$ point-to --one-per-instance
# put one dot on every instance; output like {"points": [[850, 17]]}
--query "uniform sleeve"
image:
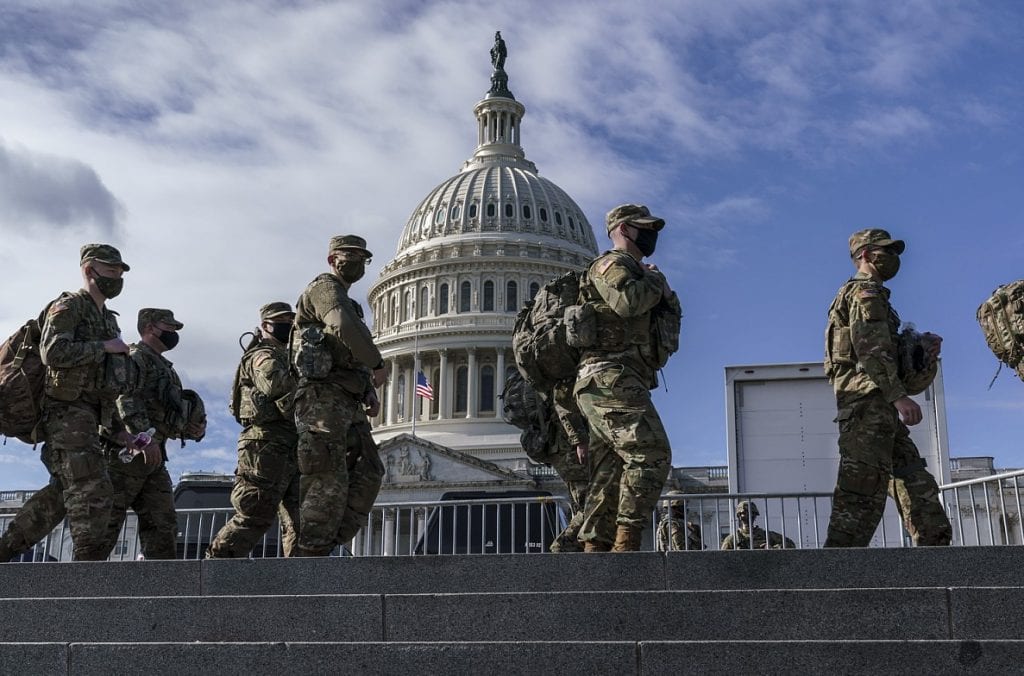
{"points": [[570, 417], [727, 543], [872, 340], [678, 535], [271, 376], [131, 407], [57, 345], [629, 291]]}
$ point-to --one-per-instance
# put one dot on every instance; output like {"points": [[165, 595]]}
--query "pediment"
{"points": [[412, 460]]}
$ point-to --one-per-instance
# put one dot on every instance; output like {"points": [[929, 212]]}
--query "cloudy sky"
{"points": [[220, 145]]}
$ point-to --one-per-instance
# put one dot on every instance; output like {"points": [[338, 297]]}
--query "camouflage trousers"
{"points": [[266, 483], [324, 412], [147, 491], [577, 479], [876, 455], [629, 452], [79, 487]]}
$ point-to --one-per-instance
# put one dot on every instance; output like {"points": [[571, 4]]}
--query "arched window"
{"points": [[406, 305], [534, 288], [464, 294], [400, 399], [442, 302], [455, 212], [393, 315], [509, 210], [511, 297], [572, 224], [461, 389], [472, 210], [488, 296], [490, 210], [435, 380], [544, 214], [487, 388], [421, 309], [526, 211]]}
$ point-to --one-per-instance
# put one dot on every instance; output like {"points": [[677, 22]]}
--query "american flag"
{"points": [[423, 387]]}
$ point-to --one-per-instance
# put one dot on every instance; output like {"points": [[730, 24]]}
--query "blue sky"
{"points": [[220, 145]]}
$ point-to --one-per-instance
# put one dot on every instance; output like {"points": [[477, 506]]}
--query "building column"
{"points": [[499, 380], [443, 410], [410, 388], [421, 525], [389, 532], [472, 405], [392, 393]]}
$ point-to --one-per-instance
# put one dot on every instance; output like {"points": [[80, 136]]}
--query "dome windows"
{"points": [[442, 301], [558, 218], [510, 211], [543, 214], [526, 212], [488, 296], [511, 296], [534, 288], [439, 216], [491, 210], [472, 210], [465, 292], [487, 389], [456, 210]]}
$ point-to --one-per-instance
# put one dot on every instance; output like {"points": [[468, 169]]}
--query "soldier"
{"points": [[81, 347], [674, 531], [333, 353], [157, 403], [875, 449], [628, 302], [267, 477], [746, 515]]}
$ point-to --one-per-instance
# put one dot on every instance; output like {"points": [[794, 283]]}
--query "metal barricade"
{"points": [[987, 510]]}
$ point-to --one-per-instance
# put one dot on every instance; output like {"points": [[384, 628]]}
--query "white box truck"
{"points": [[783, 439]]}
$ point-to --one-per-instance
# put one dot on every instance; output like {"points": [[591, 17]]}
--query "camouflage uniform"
{"points": [[675, 532], [875, 449], [146, 489], [741, 539], [81, 386], [566, 429], [332, 350], [629, 449], [267, 475]]}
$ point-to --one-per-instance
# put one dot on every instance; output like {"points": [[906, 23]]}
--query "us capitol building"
{"points": [[473, 251]]}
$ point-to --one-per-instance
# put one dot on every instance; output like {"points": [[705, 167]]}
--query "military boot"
{"points": [[592, 546], [627, 539]]}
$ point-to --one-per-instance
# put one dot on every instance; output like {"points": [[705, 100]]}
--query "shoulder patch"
{"points": [[868, 292], [603, 267], [58, 306]]}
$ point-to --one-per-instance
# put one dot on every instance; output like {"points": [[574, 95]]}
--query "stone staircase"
{"points": [[926, 611]]}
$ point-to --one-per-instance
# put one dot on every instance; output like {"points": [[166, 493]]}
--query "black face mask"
{"points": [[646, 240], [281, 331], [350, 271], [110, 287], [169, 339]]}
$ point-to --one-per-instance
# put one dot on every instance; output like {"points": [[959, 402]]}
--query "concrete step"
{"points": [[753, 615], [594, 658], [641, 571]]}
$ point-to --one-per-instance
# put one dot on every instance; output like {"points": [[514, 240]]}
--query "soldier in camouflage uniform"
{"points": [[674, 531], [875, 449], [629, 448], [746, 515], [143, 484], [333, 354], [267, 477], [80, 346]]}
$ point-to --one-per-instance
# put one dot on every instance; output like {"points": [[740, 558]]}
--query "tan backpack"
{"points": [[22, 379], [1001, 318]]}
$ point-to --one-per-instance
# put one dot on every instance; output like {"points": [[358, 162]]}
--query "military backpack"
{"points": [[539, 342], [522, 407], [1001, 318], [22, 379]]}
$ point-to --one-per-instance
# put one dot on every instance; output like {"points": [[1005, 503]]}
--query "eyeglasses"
{"points": [[352, 255]]}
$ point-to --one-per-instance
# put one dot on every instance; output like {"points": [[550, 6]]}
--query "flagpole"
{"points": [[416, 376]]}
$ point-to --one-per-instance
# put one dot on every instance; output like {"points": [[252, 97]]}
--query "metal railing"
{"points": [[984, 511], [987, 510]]}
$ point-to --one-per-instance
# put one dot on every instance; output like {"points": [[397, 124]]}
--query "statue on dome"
{"points": [[498, 52]]}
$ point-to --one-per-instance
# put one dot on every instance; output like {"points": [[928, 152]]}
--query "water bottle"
{"points": [[138, 443]]}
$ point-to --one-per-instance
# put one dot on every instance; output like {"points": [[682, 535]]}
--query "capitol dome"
{"points": [[473, 251]]}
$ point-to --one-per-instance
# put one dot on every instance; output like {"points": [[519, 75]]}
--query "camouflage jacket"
{"points": [[347, 347], [623, 294], [861, 348], [71, 347], [268, 393], [741, 540], [676, 534], [156, 401], [571, 419]]}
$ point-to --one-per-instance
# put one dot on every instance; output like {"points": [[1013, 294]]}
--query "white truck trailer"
{"points": [[783, 439]]}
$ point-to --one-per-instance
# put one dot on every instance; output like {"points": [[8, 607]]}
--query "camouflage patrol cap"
{"points": [[635, 214], [153, 315], [874, 237], [275, 310], [749, 506], [104, 253], [341, 242]]}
